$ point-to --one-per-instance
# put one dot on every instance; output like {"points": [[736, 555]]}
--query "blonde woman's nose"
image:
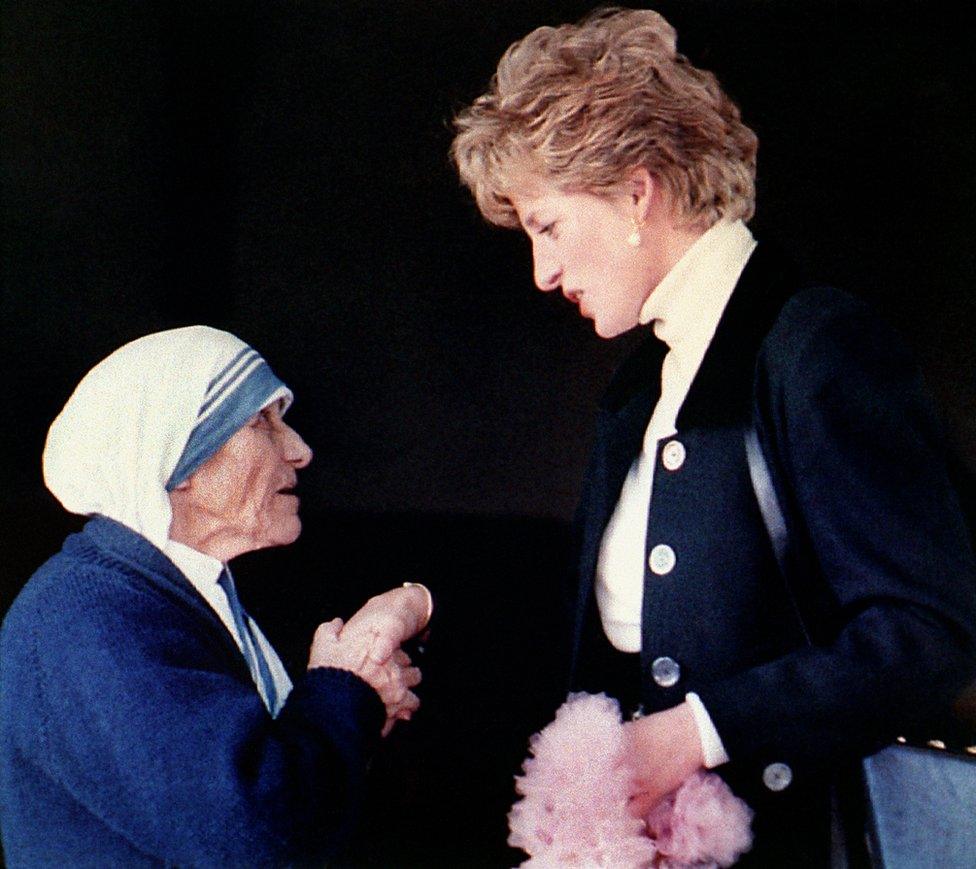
{"points": [[547, 275]]}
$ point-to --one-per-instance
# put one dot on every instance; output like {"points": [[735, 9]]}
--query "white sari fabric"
{"points": [[145, 418]]}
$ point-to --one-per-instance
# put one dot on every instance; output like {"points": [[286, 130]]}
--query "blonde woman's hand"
{"points": [[391, 678], [388, 620], [664, 749]]}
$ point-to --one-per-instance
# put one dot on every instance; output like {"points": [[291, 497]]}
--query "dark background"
{"points": [[279, 170]]}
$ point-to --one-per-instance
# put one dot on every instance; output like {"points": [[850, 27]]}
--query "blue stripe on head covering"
{"points": [[227, 380], [241, 390], [245, 351]]}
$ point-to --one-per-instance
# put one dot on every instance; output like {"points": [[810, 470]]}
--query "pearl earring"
{"points": [[634, 239]]}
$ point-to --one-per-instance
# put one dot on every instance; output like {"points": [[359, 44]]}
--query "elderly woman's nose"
{"points": [[297, 452]]}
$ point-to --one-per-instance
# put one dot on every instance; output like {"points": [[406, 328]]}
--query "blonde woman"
{"points": [[633, 175]]}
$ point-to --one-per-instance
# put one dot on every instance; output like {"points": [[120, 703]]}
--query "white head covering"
{"points": [[145, 418]]}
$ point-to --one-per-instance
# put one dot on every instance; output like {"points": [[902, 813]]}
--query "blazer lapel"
{"points": [[626, 411], [721, 393]]}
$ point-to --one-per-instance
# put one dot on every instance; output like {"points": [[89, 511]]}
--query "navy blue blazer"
{"points": [[131, 733], [888, 581]]}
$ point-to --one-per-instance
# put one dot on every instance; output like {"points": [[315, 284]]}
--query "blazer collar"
{"points": [[721, 392]]}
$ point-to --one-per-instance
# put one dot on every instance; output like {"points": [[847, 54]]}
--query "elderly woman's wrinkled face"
{"points": [[580, 244], [243, 495]]}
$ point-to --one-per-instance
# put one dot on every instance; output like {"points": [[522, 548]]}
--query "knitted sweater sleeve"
{"points": [[139, 710]]}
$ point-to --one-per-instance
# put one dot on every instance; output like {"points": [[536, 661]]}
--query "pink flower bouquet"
{"points": [[574, 793]]}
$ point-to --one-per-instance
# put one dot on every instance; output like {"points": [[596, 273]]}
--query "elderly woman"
{"points": [[632, 173], [145, 719]]}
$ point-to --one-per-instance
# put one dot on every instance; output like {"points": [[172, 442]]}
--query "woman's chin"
{"points": [[284, 532], [609, 329]]}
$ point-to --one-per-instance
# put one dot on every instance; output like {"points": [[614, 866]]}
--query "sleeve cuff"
{"points": [[712, 749]]}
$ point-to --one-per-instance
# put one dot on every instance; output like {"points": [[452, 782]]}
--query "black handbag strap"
{"points": [[762, 484], [773, 517], [775, 522]]}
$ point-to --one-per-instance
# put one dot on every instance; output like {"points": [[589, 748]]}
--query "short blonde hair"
{"points": [[582, 104]]}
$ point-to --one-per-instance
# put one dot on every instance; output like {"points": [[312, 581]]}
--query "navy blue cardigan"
{"points": [[131, 733]]}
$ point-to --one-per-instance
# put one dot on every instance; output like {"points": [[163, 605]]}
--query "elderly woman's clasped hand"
{"points": [[369, 646]]}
